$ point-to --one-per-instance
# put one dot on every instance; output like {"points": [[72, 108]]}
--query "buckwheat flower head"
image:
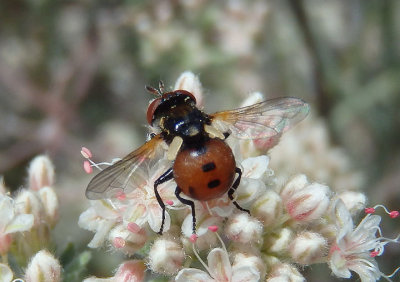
{"points": [[354, 248], [43, 268], [11, 222]]}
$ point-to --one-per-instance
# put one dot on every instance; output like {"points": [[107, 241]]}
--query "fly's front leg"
{"points": [[235, 185], [168, 175], [189, 203]]}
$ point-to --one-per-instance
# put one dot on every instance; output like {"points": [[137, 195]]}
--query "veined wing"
{"points": [[132, 169], [262, 120]]}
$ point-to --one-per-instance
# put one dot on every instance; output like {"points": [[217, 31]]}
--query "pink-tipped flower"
{"points": [[354, 248], [41, 173], [166, 256], [44, 268], [127, 241], [303, 201]]}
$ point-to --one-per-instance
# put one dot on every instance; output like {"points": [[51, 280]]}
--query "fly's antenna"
{"points": [[158, 92]]}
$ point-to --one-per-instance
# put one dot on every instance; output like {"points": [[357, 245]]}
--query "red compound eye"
{"points": [[151, 109]]}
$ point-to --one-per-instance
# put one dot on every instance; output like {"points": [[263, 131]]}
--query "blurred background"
{"points": [[72, 74]]}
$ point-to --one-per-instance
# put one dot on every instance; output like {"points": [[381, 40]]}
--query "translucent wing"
{"points": [[262, 120], [130, 171]]}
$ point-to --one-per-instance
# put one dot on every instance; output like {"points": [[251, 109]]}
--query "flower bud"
{"points": [[43, 268], [166, 256], [41, 173], [243, 228], [303, 201], [50, 204], [249, 260], [28, 202], [307, 247], [268, 208], [354, 201], [190, 82], [133, 270], [279, 241], [126, 241], [285, 272]]}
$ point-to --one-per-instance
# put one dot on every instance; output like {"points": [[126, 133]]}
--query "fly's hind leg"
{"points": [[168, 175], [189, 203], [235, 185]]}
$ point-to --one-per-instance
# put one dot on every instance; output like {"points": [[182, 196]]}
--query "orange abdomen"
{"points": [[207, 172]]}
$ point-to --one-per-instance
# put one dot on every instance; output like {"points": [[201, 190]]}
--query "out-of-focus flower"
{"points": [[6, 275], [10, 222], [354, 248], [220, 269], [307, 149], [43, 268], [40, 173]]}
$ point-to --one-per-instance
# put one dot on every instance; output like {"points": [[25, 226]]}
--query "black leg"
{"points": [[235, 185], [168, 175], [189, 203]]}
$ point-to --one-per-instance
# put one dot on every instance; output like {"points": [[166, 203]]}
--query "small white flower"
{"points": [[220, 270], [353, 246]]}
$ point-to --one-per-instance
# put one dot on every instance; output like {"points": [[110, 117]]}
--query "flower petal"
{"points": [[154, 217], [22, 222], [255, 167], [219, 264], [6, 211], [192, 275]]}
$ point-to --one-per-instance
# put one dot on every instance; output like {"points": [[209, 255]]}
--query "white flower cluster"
{"points": [[25, 225], [298, 224]]}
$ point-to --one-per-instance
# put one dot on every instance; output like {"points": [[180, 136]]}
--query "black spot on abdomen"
{"points": [[213, 183], [208, 167]]}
